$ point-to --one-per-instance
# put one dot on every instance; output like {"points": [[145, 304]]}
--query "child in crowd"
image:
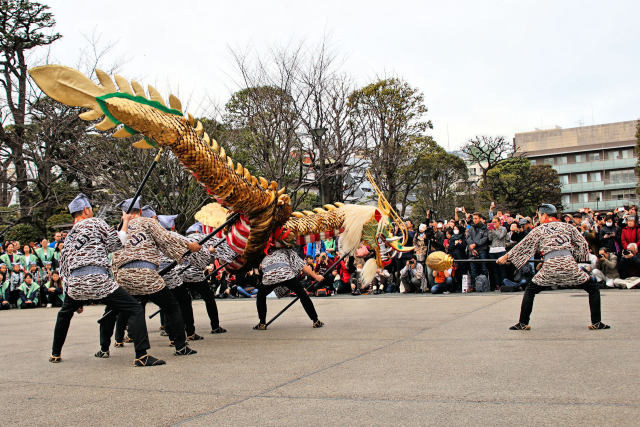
{"points": [[55, 290], [15, 280], [29, 293]]}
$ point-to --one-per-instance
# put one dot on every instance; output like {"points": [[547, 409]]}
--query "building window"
{"points": [[592, 157], [533, 162], [626, 194], [548, 161], [565, 199], [627, 154], [472, 171], [595, 177], [564, 179], [583, 197], [580, 158], [581, 178], [614, 155], [562, 160], [595, 197], [622, 177]]}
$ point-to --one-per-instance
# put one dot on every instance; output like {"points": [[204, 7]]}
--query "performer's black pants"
{"points": [[295, 286], [167, 303], [533, 289], [119, 300], [184, 299], [121, 326]]}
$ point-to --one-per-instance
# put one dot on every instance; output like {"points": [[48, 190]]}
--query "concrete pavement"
{"points": [[383, 360]]}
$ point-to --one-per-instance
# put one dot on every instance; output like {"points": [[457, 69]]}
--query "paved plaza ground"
{"points": [[380, 360]]}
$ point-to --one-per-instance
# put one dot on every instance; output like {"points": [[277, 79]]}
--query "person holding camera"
{"points": [[606, 270], [607, 234], [629, 268], [412, 277], [478, 246]]}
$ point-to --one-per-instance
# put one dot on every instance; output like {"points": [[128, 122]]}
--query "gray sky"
{"points": [[485, 67]]}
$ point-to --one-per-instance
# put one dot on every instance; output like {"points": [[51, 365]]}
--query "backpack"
{"points": [[482, 283]]}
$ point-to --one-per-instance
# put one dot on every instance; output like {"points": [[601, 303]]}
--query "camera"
{"points": [[626, 252]]}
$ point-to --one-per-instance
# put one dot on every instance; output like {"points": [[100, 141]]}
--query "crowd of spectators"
{"points": [[29, 276], [613, 239]]}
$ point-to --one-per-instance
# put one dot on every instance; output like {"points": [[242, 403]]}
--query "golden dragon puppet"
{"points": [[129, 110]]}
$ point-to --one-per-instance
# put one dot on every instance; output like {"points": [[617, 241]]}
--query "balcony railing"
{"points": [[599, 165], [607, 184]]}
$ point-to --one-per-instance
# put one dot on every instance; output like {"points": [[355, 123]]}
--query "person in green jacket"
{"points": [[40, 277], [55, 290], [4, 295], [45, 253], [10, 256], [29, 293], [28, 257]]}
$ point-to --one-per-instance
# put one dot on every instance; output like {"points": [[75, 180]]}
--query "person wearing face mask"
{"points": [[420, 243], [563, 247], [457, 249], [497, 248], [608, 234]]}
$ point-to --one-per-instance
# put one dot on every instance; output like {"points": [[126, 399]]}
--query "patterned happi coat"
{"points": [[197, 261], [88, 244], [147, 241], [559, 271]]}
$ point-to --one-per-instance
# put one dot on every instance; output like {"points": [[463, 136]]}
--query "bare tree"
{"points": [[390, 113], [286, 99], [488, 152], [24, 25]]}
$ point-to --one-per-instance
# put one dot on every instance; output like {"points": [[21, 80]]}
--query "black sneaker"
{"points": [[218, 330], [55, 359], [260, 327], [520, 327], [164, 333], [599, 325], [194, 337], [318, 324], [102, 354], [148, 360], [185, 351], [118, 345]]}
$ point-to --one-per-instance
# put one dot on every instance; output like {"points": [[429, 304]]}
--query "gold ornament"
{"points": [[439, 261]]}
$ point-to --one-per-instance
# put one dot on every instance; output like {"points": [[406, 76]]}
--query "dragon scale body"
{"points": [[263, 205]]}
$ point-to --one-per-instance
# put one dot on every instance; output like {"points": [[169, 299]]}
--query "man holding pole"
{"points": [[135, 269], [193, 279], [281, 267], [562, 246], [84, 265]]}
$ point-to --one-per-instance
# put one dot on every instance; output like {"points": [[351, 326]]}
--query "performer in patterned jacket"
{"points": [[84, 265], [193, 279], [281, 267], [121, 322], [563, 247], [135, 269]]}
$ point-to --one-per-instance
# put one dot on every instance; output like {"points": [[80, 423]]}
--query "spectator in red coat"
{"points": [[345, 276], [630, 234]]}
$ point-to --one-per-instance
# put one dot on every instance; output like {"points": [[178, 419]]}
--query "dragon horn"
{"points": [[68, 86]]}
